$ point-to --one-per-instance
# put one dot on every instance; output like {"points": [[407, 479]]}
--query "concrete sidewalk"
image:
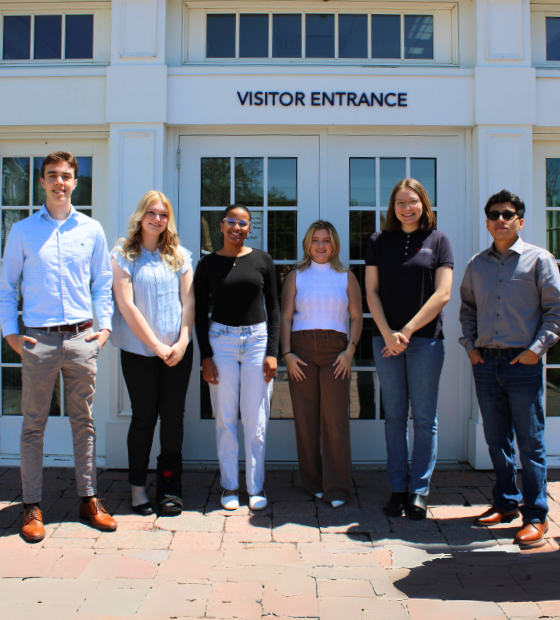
{"points": [[300, 558]]}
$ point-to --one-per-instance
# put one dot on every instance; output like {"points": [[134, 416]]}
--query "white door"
{"points": [[546, 233], [277, 177], [21, 196], [362, 173]]}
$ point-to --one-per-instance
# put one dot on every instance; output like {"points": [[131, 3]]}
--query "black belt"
{"points": [[503, 353], [76, 327]]}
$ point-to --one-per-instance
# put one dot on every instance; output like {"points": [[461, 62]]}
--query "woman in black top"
{"points": [[409, 271], [238, 351]]}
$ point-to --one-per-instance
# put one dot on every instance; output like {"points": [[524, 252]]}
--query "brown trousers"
{"points": [[321, 404]]}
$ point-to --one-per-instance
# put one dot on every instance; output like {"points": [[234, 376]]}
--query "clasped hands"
{"points": [[171, 355], [396, 342]]}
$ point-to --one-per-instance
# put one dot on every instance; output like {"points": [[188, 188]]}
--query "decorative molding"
{"points": [[504, 29], [138, 25]]}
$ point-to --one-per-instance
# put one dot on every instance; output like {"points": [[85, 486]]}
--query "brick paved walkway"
{"points": [[298, 559]]}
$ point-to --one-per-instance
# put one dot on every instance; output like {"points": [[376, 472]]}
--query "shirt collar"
{"points": [[43, 212], [517, 247]]}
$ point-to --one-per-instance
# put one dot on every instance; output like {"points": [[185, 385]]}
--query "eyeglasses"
{"points": [[507, 214], [152, 215], [231, 222]]}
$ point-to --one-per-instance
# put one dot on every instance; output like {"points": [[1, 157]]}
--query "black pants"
{"points": [[154, 389]]}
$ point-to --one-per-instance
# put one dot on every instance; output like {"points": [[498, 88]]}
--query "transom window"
{"points": [[397, 36], [23, 195], [47, 37], [371, 181]]}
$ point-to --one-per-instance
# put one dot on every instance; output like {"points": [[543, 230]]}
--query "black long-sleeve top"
{"points": [[237, 295]]}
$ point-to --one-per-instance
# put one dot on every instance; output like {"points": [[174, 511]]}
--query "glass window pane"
{"points": [[39, 195], [11, 391], [15, 181], [286, 35], [215, 183], [360, 272], [553, 232], [362, 227], [17, 37], [553, 182], [364, 350], [352, 36], [81, 196], [79, 36], [255, 236], [382, 219], [552, 38], [319, 36], [418, 36], [424, 170], [282, 235], [552, 392], [9, 356], [393, 169], [253, 36], [282, 181], [362, 182], [48, 37], [211, 238], [281, 403], [220, 36], [362, 395], [9, 218], [553, 355], [385, 36], [249, 174]]}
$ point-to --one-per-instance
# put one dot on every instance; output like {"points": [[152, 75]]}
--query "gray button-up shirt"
{"points": [[511, 300]]}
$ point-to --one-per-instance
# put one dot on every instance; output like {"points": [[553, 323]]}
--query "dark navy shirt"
{"points": [[407, 264]]}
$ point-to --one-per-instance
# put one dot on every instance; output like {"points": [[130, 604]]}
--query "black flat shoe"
{"points": [[417, 507], [144, 509], [397, 504]]}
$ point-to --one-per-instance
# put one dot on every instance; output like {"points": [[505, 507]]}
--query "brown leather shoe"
{"points": [[531, 535], [493, 516], [33, 530], [93, 511]]}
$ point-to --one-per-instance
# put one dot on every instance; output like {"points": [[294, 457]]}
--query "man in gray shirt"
{"points": [[510, 314]]}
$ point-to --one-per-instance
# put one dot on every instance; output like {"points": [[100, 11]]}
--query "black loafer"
{"points": [[397, 504], [417, 507], [143, 509]]}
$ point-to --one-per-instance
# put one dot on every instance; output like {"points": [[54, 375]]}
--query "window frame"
{"points": [[445, 37], [63, 12]]}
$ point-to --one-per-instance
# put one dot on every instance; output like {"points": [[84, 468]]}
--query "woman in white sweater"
{"points": [[317, 299]]}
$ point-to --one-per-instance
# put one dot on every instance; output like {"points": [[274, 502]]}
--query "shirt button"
{"points": [[497, 314], [499, 280], [499, 297], [496, 332]]}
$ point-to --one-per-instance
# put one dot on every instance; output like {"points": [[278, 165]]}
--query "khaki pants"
{"points": [[77, 358], [321, 417]]}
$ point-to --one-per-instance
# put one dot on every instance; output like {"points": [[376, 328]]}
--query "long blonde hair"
{"points": [[335, 244], [168, 244]]}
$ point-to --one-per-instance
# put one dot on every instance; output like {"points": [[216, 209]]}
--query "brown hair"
{"points": [[56, 157], [428, 217], [335, 244], [168, 244]]}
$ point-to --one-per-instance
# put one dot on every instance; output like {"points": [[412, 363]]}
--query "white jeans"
{"points": [[239, 354]]}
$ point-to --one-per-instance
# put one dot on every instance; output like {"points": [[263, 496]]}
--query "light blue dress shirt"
{"points": [[157, 295], [63, 267]]}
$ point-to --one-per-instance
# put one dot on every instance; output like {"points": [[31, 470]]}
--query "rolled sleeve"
{"points": [[12, 269], [102, 281]]}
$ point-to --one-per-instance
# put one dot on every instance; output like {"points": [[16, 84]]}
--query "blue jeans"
{"points": [[411, 376], [510, 401]]}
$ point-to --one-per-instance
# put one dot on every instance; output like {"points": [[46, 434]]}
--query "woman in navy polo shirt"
{"points": [[409, 271]]}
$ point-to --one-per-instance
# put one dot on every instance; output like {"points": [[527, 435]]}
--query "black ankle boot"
{"points": [[397, 504], [169, 497], [417, 507]]}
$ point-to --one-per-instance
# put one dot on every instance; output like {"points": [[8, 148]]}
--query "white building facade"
{"points": [[301, 110]]}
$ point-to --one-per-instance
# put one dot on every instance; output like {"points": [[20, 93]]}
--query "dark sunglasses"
{"points": [[508, 215]]}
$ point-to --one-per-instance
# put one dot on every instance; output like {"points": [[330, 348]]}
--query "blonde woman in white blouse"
{"points": [[318, 297]]}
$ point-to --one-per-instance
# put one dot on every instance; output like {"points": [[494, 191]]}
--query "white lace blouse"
{"points": [[321, 299]]}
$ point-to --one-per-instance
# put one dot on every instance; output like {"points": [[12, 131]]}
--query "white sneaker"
{"points": [[258, 501], [319, 495], [336, 503], [229, 502]]}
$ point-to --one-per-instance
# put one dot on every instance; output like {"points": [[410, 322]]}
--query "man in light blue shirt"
{"points": [[61, 257]]}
